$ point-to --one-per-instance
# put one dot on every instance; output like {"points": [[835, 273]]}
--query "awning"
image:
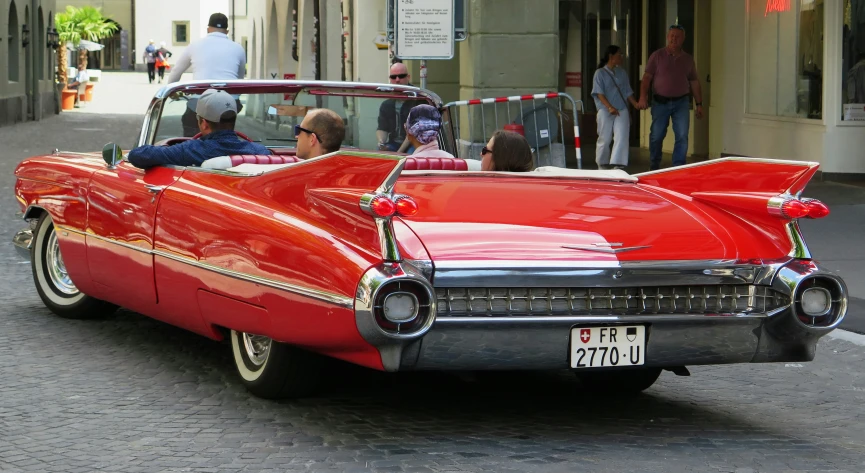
{"points": [[84, 44]]}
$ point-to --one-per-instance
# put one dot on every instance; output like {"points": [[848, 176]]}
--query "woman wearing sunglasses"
{"points": [[507, 151], [422, 129]]}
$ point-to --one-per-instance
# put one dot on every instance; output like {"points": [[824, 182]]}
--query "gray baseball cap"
{"points": [[214, 105]]}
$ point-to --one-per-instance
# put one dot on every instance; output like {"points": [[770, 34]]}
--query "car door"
{"points": [[122, 205]]}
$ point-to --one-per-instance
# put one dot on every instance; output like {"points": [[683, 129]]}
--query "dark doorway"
{"points": [[607, 22]]}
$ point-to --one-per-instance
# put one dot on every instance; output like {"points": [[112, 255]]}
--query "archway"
{"points": [[40, 45], [14, 45], [289, 41], [251, 63], [272, 45], [261, 49]]}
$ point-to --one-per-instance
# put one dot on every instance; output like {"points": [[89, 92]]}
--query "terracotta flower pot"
{"points": [[88, 92], [67, 101]]}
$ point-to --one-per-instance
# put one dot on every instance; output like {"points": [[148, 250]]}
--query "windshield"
{"points": [[269, 118]]}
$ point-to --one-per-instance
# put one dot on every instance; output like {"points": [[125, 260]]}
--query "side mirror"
{"points": [[112, 154]]}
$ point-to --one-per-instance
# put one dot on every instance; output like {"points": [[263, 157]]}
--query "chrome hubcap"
{"points": [[257, 348], [57, 269]]}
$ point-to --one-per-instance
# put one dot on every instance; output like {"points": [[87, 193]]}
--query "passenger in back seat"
{"points": [[422, 129], [322, 131]]}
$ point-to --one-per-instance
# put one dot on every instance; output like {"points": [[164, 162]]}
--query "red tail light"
{"points": [[382, 206], [786, 206], [406, 206], [816, 209], [793, 208]]}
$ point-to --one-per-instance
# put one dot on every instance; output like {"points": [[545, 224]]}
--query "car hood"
{"points": [[559, 220]]}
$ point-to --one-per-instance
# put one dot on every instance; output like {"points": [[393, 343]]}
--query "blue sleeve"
{"points": [[598, 84], [626, 90], [148, 156]]}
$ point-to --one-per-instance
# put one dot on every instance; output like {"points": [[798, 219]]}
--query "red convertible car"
{"points": [[400, 263]]}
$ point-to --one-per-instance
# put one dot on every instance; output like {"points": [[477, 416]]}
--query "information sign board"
{"points": [[425, 29]]}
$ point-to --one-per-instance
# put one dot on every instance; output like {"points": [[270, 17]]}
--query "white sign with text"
{"points": [[425, 29]]}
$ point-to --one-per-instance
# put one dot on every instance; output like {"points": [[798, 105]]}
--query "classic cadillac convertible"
{"points": [[400, 263]]}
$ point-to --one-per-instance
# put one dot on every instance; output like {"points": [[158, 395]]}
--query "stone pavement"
{"points": [[130, 394]]}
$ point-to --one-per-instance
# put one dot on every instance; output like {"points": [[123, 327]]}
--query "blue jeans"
{"points": [[392, 146], [679, 111]]}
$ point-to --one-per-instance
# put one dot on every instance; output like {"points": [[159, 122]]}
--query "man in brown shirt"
{"points": [[673, 76]]}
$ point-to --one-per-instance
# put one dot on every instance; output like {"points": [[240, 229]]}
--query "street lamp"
{"points": [[52, 38], [25, 35]]}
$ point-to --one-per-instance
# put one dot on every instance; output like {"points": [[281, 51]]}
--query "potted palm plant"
{"points": [[73, 26]]}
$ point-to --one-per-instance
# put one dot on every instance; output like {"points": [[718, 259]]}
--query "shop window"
{"points": [[785, 58], [853, 61], [180, 31]]}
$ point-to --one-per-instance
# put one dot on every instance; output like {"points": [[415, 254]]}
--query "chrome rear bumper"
{"points": [[23, 241], [464, 337]]}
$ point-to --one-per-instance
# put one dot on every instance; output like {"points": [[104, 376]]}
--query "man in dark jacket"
{"points": [[217, 113]]}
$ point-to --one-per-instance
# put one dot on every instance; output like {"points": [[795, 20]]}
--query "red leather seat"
{"points": [[284, 151], [436, 164], [238, 159]]}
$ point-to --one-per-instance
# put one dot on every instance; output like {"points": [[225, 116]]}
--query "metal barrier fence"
{"points": [[542, 122]]}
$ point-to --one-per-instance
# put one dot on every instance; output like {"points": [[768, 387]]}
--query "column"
{"points": [[512, 49]]}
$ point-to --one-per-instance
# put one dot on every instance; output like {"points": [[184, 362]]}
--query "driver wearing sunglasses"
{"points": [[322, 131]]}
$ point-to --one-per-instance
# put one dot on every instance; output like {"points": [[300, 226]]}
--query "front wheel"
{"points": [[274, 370], [630, 381], [53, 283]]}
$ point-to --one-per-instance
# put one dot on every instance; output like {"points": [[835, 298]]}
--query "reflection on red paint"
{"points": [[776, 6]]}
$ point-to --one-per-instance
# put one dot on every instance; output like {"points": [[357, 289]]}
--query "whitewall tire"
{"points": [[274, 370], [55, 287]]}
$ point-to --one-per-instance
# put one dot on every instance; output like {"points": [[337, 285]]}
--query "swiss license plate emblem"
{"points": [[602, 347]]}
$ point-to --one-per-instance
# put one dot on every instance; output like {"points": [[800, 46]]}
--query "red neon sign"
{"points": [[776, 6]]}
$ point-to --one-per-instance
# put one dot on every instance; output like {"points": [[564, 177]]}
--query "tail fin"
{"points": [[734, 175]]}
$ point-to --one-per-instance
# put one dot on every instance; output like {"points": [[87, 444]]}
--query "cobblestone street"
{"points": [[130, 394]]}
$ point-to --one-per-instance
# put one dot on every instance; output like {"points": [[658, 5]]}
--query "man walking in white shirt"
{"points": [[214, 57]]}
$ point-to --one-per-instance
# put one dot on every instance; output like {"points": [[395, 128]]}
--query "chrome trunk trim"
{"points": [[487, 273]]}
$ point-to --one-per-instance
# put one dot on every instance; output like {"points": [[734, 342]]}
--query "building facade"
{"points": [[27, 61]]}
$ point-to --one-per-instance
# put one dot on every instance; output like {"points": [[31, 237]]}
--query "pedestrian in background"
{"points": [[392, 114], [215, 56], [673, 78], [150, 61], [162, 55], [612, 93]]}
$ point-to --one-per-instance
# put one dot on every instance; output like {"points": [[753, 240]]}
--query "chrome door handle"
{"points": [[153, 188]]}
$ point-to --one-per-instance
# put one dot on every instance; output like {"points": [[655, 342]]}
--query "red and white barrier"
{"points": [[520, 98]]}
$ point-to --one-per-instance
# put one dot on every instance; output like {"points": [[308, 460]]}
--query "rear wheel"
{"points": [[53, 283], [619, 382], [274, 370]]}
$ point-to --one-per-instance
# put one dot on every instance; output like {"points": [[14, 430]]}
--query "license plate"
{"points": [[600, 347]]}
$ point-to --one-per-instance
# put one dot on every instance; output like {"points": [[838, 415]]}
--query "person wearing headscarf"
{"points": [[422, 129]]}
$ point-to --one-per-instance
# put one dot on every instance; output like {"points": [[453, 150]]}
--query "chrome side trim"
{"points": [[807, 164], [324, 296], [128, 246], [23, 241], [799, 249], [386, 187], [387, 240]]}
